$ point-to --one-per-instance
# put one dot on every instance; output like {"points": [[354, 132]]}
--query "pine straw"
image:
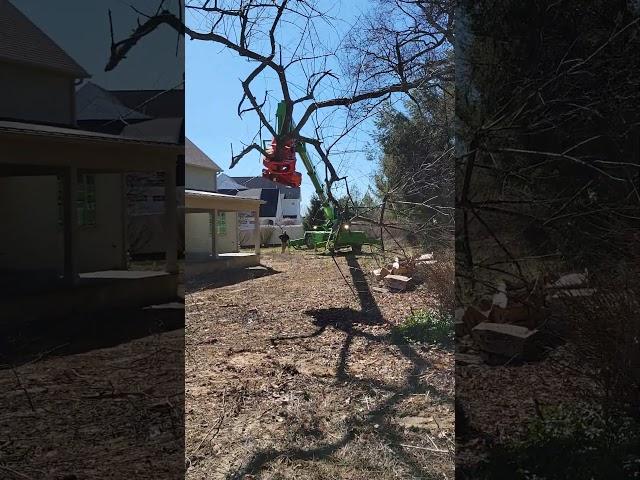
{"points": [[287, 378]]}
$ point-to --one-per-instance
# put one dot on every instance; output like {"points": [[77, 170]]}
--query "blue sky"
{"points": [[213, 76], [81, 28]]}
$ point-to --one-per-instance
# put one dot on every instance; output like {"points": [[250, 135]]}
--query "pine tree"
{"points": [[315, 214]]}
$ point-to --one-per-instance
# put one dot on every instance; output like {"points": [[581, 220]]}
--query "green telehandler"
{"points": [[336, 232]]}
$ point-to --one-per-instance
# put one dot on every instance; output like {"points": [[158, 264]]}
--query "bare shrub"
{"points": [[266, 232], [245, 237], [605, 331], [440, 278]]}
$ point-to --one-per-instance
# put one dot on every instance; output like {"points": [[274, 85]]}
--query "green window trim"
{"points": [[221, 224], [85, 201]]}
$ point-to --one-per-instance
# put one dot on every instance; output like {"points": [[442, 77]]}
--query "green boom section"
{"points": [[334, 235]]}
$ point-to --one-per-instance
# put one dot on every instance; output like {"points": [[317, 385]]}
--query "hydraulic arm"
{"points": [[280, 166]]}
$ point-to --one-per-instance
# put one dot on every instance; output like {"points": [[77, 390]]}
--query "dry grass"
{"points": [[292, 375]]}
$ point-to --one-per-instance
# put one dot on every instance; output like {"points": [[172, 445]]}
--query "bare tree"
{"points": [[546, 168], [343, 66]]}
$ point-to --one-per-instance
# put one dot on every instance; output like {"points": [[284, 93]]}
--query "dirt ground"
{"points": [[513, 391], [291, 374], [95, 397]]}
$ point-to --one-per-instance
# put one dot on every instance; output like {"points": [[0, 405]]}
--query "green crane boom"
{"points": [[335, 234], [301, 148]]}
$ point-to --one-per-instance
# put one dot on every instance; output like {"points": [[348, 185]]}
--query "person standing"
{"points": [[284, 239]]}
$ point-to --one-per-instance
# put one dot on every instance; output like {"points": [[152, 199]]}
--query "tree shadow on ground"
{"points": [[218, 279], [26, 342], [349, 321]]}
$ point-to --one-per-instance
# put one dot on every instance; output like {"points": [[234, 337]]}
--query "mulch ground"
{"points": [[501, 401], [291, 373], [86, 401]]}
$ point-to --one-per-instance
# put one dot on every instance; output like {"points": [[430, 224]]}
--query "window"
{"points": [[221, 224], [85, 201]]}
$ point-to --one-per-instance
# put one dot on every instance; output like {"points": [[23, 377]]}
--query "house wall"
{"points": [[286, 206], [146, 214], [198, 178], [229, 242], [33, 94], [274, 232], [197, 234], [290, 207], [100, 246], [33, 238]]}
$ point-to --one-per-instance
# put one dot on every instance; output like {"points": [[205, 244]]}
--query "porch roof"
{"points": [[198, 199], [59, 147]]}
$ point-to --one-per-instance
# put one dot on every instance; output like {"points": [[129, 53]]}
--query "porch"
{"points": [[93, 291], [204, 247], [64, 257]]}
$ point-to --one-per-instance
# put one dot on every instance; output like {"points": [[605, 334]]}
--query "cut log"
{"points": [[473, 316], [401, 270], [380, 273], [468, 359], [426, 262], [397, 282], [516, 315], [503, 339], [500, 300], [571, 280], [460, 327], [425, 257]]}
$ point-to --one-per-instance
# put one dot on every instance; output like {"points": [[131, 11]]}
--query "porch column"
{"points": [[125, 223], [214, 233], [256, 231], [70, 221], [171, 219]]}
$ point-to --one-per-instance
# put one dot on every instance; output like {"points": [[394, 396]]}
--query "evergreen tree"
{"points": [[315, 214]]}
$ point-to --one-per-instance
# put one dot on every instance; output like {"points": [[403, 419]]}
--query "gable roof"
{"points": [[225, 182], [155, 103], [265, 183], [74, 134], [21, 41], [95, 103], [197, 158], [170, 130]]}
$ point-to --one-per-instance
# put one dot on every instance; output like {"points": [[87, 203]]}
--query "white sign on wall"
{"points": [[145, 194]]}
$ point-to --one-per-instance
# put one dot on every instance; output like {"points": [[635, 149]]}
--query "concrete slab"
{"points": [[122, 274], [97, 291], [224, 262]]}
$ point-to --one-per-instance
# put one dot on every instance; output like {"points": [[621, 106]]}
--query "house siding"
{"points": [[36, 95], [198, 178], [40, 243], [197, 234], [229, 242]]}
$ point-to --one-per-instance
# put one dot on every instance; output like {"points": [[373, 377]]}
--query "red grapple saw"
{"points": [[281, 166]]}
